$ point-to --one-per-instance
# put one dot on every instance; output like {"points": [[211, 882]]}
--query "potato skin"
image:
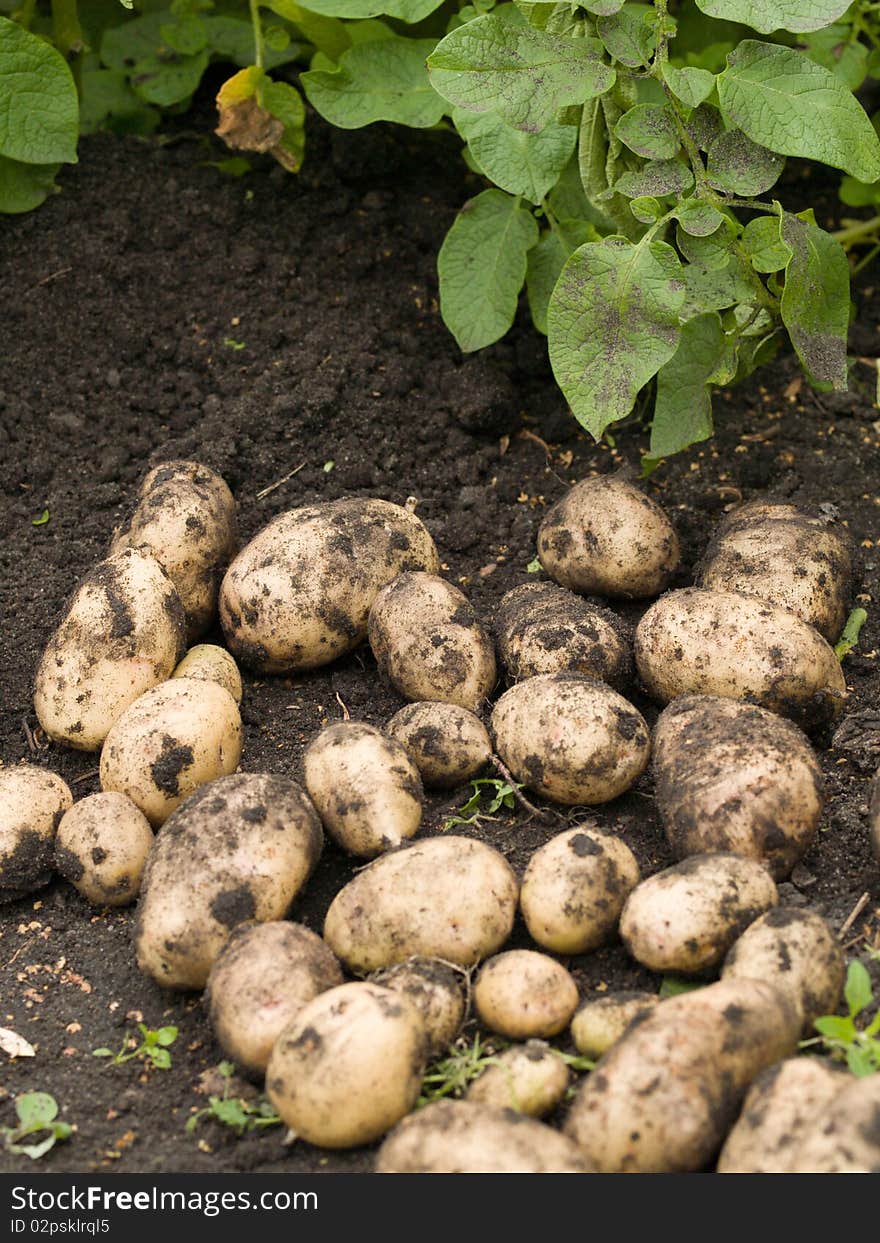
{"points": [[446, 897], [599, 1022], [847, 1141], [434, 989], [102, 848], [448, 745], [733, 777], [298, 595], [570, 738], [32, 804], [529, 1078], [122, 633], [211, 664], [522, 994]]}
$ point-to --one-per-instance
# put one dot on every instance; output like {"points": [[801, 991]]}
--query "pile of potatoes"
{"points": [[416, 947]]}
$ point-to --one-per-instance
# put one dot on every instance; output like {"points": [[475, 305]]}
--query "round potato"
{"points": [[122, 634], [570, 738], [434, 989], [599, 1022], [299, 594], [102, 848], [447, 744], [529, 1078], [521, 994], [847, 1139], [211, 664], [32, 804]]}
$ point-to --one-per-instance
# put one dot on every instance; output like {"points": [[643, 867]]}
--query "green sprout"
{"points": [[154, 1048], [42, 520], [464, 1061], [534, 567], [842, 1036], [238, 1114], [37, 1113], [501, 794], [851, 631], [231, 344]]}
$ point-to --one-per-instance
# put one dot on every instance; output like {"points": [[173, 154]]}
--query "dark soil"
{"points": [[158, 309]]}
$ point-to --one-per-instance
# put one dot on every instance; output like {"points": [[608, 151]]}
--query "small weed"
{"points": [[673, 985], [42, 520], [500, 794], [238, 1114], [231, 344], [851, 631], [37, 1113], [463, 1062], [841, 1036], [328, 466], [534, 567], [154, 1048]]}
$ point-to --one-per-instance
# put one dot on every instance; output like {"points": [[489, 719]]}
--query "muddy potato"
{"points": [[574, 888], [298, 595], [446, 897], [570, 738], [434, 989], [447, 744], [211, 664], [529, 1078], [102, 847], [847, 1137], [599, 1022], [173, 739], [697, 642], [521, 994], [121, 634], [32, 803], [349, 1066], [686, 918], [262, 978], [238, 849], [605, 537]]}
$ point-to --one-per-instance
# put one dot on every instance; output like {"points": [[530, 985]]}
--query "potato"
{"points": [[102, 847], [365, 787], [847, 1139], [463, 1137], [779, 553], [298, 595], [238, 849], [166, 744], [446, 897], [262, 978], [447, 744], [185, 518], [529, 1078], [349, 1066], [429, 642], [601, 1021], [570, 738], [733, 777], [521, 994], [541, 628], [574, 888], [212, 664], [121, 634], [696, 642], [434, 989], [796, 951], [664, 1096], [686, 918], [606, 537], [32, 803]]}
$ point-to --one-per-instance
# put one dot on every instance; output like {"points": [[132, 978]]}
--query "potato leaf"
{"points": [[649, 130], [763, 245], [766, 16], [683, 409], [737, 165], [39, 112], [546, 261], [656, 177], [385, 80], [629, 35], [815, 301], [409, 11], [858, 991], [24, 186], [517, 161], [692, 86]]}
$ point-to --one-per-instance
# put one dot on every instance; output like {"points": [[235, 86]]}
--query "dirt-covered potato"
{"points": [[211, 664], [599, 1022], [464, 1137], [664, 1096], [530, 1078], [847, 1139], [570, 738], [686, 918], [365, 787], [434, 989], [260, 981], [447, 744], [429, 642], [734, 777], [121, 634], [238, 849], [185, 518], [299, 594], [175, 738], [605, 537], [102, 847], [542, 628], [521, 994], [349, 1066], [781, 554], [797, 951], [697, 642], [446, 897], [32, 803], [574, 888]]}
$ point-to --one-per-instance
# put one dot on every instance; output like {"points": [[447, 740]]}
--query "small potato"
{"points": [[211, 664], [365, 787], [847, 1138], [429, 642], [529, 1078], [521, 994], [446, 897], [686, 918], [605, 537], [173, 739], [574, 888], [463, 1137], [121, 634], [541, 628], [32, 804], [796, 951], [262, 978], [434, 989], [733, 777], [599, 1022], [348, 1067], [696, 642], [298, 595], [102, 848], [571, 739], [447, 744]]}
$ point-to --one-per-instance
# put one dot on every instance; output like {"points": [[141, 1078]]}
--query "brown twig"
{"points": [[854, 914], [278, 482], [541, 814]]}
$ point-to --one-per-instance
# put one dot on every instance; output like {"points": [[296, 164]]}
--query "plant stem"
{"points": [[68, 36], [855, 232], [258, 33]]}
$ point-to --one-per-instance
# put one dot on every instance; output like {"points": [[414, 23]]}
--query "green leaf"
{"points": [[815, 301], [286, 104], [36, 1109], [630, 35], [765, 16], [711, 251], [160, 1058], [328, 34], [166, 82], [646, 209], [602, 8], [698, 219], [683, 409], [517, 161], [857, 194], [612, 324], [166, 1036], [674, 986], [482, 267], [691, 86], [187, 35], [834, 49], [24, 186], [381, 81], [858, 991], [657, 177], [230, 1113], [836, 1028], [102, 1053], [34, 1151], [649, 130], [409, 11], [109, 102], [739, 166], [862, 1062], [39, 113], [715, 288], [762, 243], [546, 261]]}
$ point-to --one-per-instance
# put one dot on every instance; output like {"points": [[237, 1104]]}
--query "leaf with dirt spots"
{"points": [[546, 261], [683, 410], [765, 16], [649, 130], [517, 161], [736, 165], [815, 300]]}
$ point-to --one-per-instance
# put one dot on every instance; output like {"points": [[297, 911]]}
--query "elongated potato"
{"points": [[529, 1078], [32, 804], [121, 634], [212, 664], [445, 897], [447, 744], [847, 1139], [696, 642], [102, 848], [600, 1021], [434, 989], [733, 777], [570, 738], [521, 994], [299, 594]]}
